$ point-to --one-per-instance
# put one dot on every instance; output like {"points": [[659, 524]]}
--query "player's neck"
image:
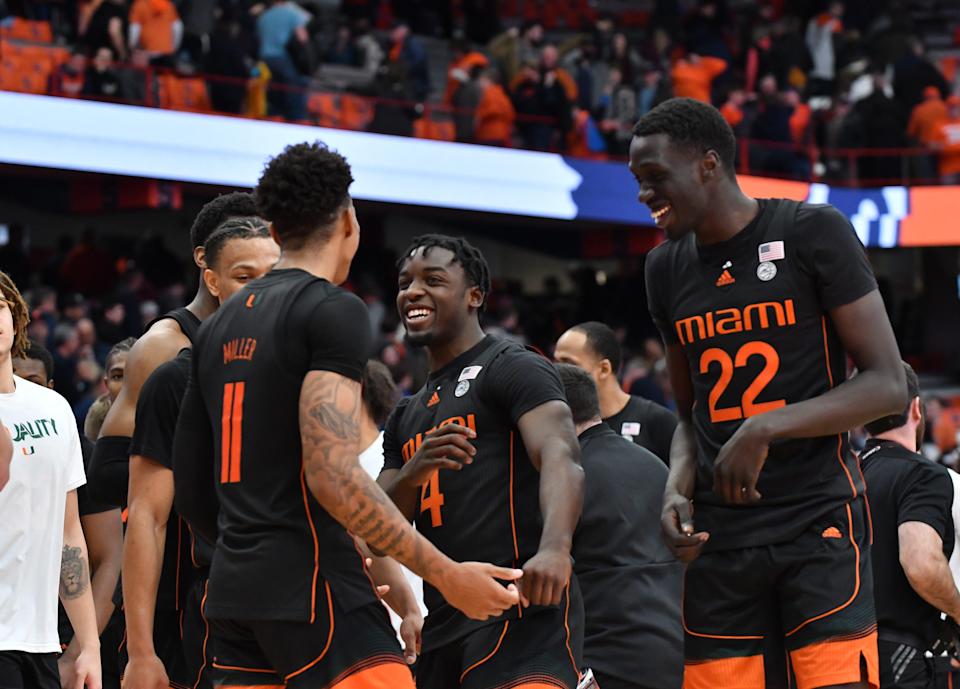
{"points": [[612, 400], [905, 435], [204, 303], [581, 427], [321, 264], [368, 432], [6, 374], [442, 354], [730, 212]]}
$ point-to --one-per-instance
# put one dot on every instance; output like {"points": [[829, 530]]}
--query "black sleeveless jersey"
{"points": [[185, 318], [752, 316], [279, 554], [490, 510]]}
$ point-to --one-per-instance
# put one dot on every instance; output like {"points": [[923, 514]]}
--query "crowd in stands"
{"points": [[803, 84]]}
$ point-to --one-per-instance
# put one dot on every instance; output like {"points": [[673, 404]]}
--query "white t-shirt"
{"points": [[371, 460], [47, 464]]}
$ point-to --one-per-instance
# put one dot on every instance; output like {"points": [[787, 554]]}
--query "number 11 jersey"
{"points": [[752, 316]]}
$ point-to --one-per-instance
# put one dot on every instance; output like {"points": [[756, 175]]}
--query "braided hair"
{"points": [[466, 254]]}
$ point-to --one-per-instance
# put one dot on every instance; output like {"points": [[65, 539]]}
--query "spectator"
{"points": [[466, 99], [914, 73], [283, 22], [618, 113], [821, 31], [550, 63], [343, 50], [408, 54], [626, 59], [654, 90], [514, 48], [948, 143], [106, 29], [67, 79], [155, 28], [800, 116], [369, 47], [543, 100], [495, 114], [228, 60], [732, 109], [111, 325], [101, 81], [693, 76], [772, 140], [924, 129], [199, 19], [461, 65], [883, 125], [66, 345]]}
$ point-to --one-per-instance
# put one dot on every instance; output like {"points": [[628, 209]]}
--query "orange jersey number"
{"points": [[432, 499], [748, 401], [231, 432]]}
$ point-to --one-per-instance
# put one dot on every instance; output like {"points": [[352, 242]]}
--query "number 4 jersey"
{"points": [[752, 316]]}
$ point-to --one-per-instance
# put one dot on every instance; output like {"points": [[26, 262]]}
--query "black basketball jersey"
{"points": [[279, 554], [490, 510], [185, 318], [751, 314]]}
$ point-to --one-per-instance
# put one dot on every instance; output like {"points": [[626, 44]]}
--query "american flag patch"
{"points": [[771, 251]]}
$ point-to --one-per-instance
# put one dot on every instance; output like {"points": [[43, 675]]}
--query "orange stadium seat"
{"points": [[183, 93], [27, 30], [323, 108], [438, 130], [355, 112]]}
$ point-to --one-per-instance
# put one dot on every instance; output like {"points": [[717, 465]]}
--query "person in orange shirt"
{"points": [[732, 109], [463, 63], [799, 118], [495, 114], [693, 75], [155, 27], [926, 116], [947, 141]]}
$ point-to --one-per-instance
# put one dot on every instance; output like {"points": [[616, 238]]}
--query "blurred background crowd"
{"points": [[852, 92]]}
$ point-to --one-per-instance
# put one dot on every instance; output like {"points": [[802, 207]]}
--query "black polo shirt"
{"points": [[904, 486]]}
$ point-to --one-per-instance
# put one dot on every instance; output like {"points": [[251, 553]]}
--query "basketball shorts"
{"points": [[813, 595], [197, 646], [532, 652], [20, 670], [168, 644], [340, 650]]}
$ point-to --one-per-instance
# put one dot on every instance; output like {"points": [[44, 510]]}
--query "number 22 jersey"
{"points": [[752, 316]]}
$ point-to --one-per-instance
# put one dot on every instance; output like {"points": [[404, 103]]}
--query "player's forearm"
{"points": [[683, 460], [400, 597], [104, 534], [142, 562], [930, 576], [404, 494], [867, 396], [561, 494], [75, 593]]}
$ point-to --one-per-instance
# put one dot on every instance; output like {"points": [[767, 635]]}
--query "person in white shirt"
{"points": [[42, 549], [404, 597]]}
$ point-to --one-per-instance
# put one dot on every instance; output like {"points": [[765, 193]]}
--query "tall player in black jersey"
{"points": [[271, 416], [759, 303], [109, 469], [485, 459], [160, 555]]}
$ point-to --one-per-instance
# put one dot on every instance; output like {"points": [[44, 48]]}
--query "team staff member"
{"points": [[42, 549], [594, 347], [911, 499], [759, 303], [470, 458], [272, 417], [103, 532], [629, 578], [159, 577], [167, 335], [114, 368]]}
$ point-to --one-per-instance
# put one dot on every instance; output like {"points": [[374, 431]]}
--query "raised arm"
{"points": [[551, 441], [330, 434]]}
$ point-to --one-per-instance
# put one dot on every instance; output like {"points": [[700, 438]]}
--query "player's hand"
{"points": [[86, 672], [676, 521], [545, 576], [448, 447], [145, 672], [473, 589], [410, 629], [737, 467]]}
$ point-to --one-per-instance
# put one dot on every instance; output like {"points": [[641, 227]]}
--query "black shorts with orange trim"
{"points": [[811, 597], [197, 645], [340, 650], [533, 652]]}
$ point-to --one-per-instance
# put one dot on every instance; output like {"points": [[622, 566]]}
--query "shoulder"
{"points": [[330, 296], [41, 397], [660, 255], [509, 354], [160, 343], [398, 411], [173, 372], [819, 218]]}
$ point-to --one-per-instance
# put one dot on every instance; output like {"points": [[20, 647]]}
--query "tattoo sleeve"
{"points": [[74, 573], [330, 435]]}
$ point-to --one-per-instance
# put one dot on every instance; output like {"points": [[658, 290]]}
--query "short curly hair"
{"points": [[694, 124], [237, 204], [21, 315], [302, 190], [466, 254]]}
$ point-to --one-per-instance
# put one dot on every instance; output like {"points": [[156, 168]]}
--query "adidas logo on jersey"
{"points": [[725, 279], [434, 399]]}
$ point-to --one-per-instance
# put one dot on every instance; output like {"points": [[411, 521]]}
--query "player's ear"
{"points": [[476, 297], [199, 257], [212, 281], [916, 411], [605, 368], [275, 235], [709, 165]]}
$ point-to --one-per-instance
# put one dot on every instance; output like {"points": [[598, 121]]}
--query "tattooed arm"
{"points": [[330, 435], [77, 599]]}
